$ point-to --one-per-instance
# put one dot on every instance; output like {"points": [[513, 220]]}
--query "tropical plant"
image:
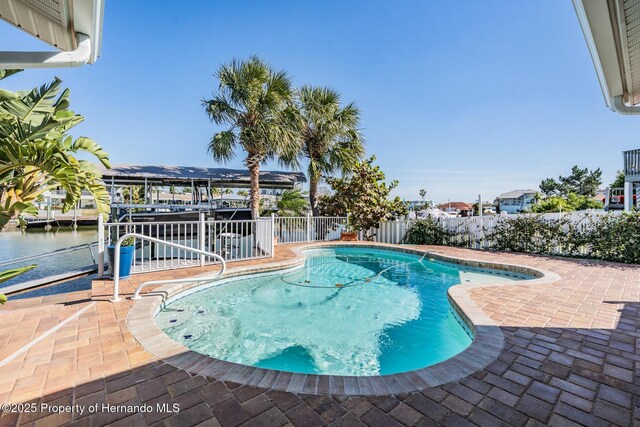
{"points": [[422, 193], [331, 139], [222, 191], [133, 194], [569, 203], [129, 241], [364, 196], [6, 95], [255, 102], [37, 155], [292, 203], [10, 274], [243, 193]]}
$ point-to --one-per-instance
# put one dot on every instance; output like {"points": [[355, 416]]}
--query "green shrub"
{"points": [[607, 237], [536, 234], [427, 232], [616, 238], [569, 203], [129, 241]]}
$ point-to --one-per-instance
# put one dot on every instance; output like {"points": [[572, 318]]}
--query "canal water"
{"points": [[17, 244]]}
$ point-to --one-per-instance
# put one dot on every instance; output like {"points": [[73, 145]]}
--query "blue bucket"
{"points": [[126, 259]]}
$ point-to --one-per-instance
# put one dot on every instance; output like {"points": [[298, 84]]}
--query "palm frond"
{"points": [[14, 272], [36, 153], [6, 73], [222, 145], [89, 146], [40, 101]]}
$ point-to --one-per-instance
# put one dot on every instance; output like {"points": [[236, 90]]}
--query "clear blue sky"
{"points": [[483, 97]]}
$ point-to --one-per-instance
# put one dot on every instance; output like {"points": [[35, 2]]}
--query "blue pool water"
{"points": [[337, 315]]}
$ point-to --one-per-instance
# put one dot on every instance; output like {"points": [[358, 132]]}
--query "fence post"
{"points": [[628, 196], [480, 244], [273, 234], [100, 246], [308, 226], [347, 222], [202, 230]]}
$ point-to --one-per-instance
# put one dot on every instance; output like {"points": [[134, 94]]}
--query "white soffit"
{"points": [[60, 23], [49, 20], [628, 12]]}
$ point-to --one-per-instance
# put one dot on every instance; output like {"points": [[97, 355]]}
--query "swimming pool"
{"points": [[348, 311]]}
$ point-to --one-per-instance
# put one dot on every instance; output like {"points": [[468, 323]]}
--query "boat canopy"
{"points": [[197, 176]]}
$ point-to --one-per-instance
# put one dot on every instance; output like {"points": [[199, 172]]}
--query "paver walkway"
{"points": [[571, 357]]}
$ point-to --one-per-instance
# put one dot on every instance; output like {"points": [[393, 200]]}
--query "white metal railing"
{"points": [[308, 228], [241, 239], [232, 240], [116, 264]]}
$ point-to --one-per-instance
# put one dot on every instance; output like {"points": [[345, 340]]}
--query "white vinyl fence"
{"points": [[472, 231], [253, 239]]}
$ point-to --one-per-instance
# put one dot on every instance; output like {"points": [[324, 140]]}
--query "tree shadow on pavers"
{"points": [[583, 375], [148, 394]]}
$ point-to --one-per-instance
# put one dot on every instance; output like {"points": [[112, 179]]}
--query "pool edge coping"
{"points": [[487, 344]]}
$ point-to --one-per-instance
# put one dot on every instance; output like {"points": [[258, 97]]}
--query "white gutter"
{"points": [[74, 58], [98, 22], [620, 107]]}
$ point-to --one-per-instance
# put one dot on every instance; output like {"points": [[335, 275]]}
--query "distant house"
{"points": [[516, 201], [458, 208]]}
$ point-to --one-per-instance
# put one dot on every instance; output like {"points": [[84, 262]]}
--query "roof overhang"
{"points": [[612, 31], [73, 26]]}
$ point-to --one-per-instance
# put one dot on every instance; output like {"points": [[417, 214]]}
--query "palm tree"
{"points": [[292, 203], [36, 154], [331, 139], [254, 101], [422, 193], [221, 192]]}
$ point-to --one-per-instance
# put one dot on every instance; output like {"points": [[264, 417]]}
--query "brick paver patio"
{"points": [[571, 357]]}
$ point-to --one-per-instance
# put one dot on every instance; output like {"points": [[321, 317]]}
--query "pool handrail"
{"points": [[136, 295]]}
